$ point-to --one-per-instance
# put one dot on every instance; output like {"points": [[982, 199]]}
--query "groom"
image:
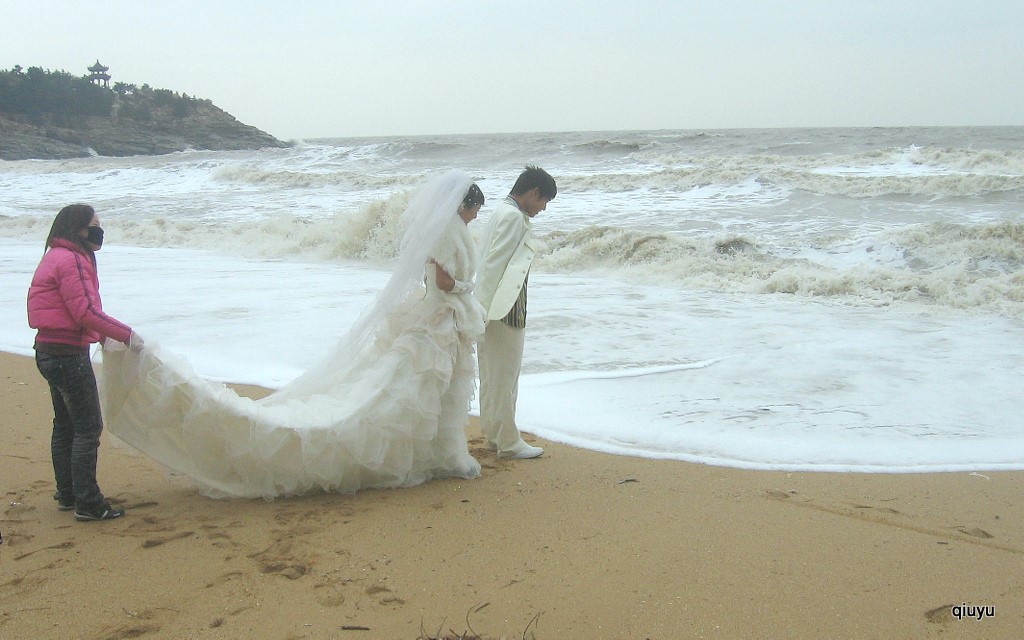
{"points": [[508, 252]]}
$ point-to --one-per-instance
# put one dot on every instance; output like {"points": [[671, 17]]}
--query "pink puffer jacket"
{"points": [[64, 300]]}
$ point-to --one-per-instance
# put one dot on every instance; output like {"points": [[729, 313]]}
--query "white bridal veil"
{"points": [[425, 221]]}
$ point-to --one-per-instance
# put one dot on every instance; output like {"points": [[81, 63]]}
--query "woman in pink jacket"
{"points": [[64, 307]]}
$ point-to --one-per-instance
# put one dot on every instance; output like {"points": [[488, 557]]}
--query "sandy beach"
{"points": [[576, 544]]}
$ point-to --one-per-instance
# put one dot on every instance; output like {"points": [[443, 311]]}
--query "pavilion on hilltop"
{"points": [[98, 75]]}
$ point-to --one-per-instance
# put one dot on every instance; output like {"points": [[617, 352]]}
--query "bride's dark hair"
{"points": [[473, 197]]}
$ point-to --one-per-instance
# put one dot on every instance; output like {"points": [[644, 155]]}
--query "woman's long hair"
{"points": [[69, 221]]}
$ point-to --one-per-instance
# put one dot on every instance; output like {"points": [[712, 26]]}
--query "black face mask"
{"points": [[95, 236]]}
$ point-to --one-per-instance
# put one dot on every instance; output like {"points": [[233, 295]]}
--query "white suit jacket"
{"points": [[505, 260]]}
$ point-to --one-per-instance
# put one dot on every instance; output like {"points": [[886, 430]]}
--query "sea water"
{"points": [[806, 299]]}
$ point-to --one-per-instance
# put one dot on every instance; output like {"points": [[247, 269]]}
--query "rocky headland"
{"points": [[136, 122]]}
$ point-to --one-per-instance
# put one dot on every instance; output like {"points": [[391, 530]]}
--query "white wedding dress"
{"points": [[387, 408]]}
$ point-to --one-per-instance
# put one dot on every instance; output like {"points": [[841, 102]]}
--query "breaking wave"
{"points": [[953, 265]]}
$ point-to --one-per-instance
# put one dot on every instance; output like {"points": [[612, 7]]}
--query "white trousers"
{"points": [[500, 354]]}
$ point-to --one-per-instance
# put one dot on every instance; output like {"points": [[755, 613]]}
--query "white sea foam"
{"points": [[813, 299]]}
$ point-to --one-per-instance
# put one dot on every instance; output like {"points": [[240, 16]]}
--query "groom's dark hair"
{"points": [[534, 177]]}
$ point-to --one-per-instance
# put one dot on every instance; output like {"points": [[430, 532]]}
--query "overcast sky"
{"points": [[305, 69]]}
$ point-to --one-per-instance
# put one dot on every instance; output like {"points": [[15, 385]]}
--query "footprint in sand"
{"points": [[221, 539], [290, 571], [149, 523], [280, 558], [133, 631], [156, 542], [143, 623], [329, 596], [224, 578], [887, 510], [14, 538], [940, 615], [976, 532], [63, 545], [478, 447], [145, 504], [18, 508], [387, 597]]}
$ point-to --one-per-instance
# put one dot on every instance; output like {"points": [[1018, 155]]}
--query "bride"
{"points": [[387, 407]]}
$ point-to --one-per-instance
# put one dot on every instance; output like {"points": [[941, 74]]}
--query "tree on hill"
{"points": [[41, 95], [37, 92]]}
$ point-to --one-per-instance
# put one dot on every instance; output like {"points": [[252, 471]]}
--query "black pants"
{"points": [[77, 425]]}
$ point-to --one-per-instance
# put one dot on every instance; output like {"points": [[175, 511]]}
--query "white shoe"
{"points": [[521, 451]]}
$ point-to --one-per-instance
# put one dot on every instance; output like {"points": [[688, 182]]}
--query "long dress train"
{"points": [[391, 416]]}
